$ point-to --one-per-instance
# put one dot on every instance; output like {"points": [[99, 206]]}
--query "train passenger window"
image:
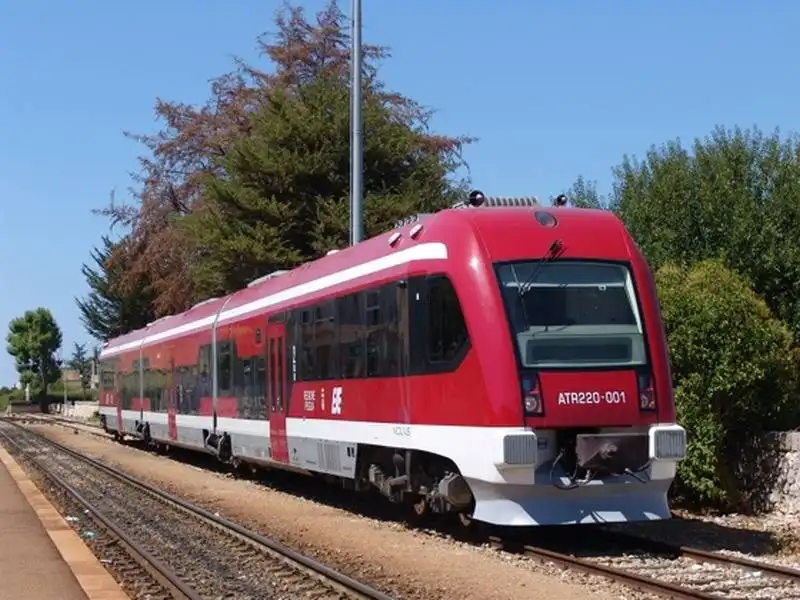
{"points": [[374, 333], [130, 389], [148, 389], [204, 373], [260, 379], [107, 370], [354, 336], [274, 374], [324, 340], [447, 331], [391, 342], [280, 347], [351, 336], [306, 349], [224, 368]]}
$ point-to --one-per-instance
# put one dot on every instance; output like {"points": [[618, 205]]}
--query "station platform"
{"points": [[41, 556]]}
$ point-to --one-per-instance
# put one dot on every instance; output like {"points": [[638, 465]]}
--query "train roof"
{"points": [[423, 237]]}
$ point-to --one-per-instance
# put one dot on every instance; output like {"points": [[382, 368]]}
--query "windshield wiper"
{"points": [[555, 250]]}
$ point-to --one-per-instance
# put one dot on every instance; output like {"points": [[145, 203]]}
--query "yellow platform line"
{"points": [[97, 583]]}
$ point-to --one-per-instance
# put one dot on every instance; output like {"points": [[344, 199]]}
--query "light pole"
{"points": [[62, 365], [356, 123]]}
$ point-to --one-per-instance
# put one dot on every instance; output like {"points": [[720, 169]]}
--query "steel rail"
{"points": [[628, 578], [633, 580], [170, 580], [346, 583], [710, 557], [643, 582]]}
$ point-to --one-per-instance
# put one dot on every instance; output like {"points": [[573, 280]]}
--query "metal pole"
{"points": [[356, 134], [64, 380]]}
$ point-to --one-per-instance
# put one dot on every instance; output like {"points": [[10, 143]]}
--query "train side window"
{"points": [[447, 331], [272, 384], [204, 372], [148, 389], [307, 358], [390, 320], [131, 389], [157, 380], [107, 370], [374, 333], [280, 348], [224, 371], [350, 310], [324, 340], [260, 382]]}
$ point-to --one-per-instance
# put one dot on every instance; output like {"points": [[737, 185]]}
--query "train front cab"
{"points": [[599, 442]]}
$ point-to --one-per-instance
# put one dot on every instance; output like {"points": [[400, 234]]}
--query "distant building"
{"points": [[71, 375]]}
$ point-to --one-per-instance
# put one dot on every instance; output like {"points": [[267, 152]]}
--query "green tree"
{"points": [[33, 339], [111, 309], [220, 200], [82, 364], [284, 196], [583, 194], [736, 372], [734, 195]]}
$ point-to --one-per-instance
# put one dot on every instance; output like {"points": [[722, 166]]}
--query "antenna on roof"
{"points": [[560, 200]]}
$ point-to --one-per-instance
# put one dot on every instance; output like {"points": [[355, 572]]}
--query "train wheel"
{"points": [[466, 520], [471, 529], [420, 510]]}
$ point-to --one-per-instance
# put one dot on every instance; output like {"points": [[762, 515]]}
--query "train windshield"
{"points": [[569, 313]]}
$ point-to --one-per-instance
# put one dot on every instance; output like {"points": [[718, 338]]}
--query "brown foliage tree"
{"points": [[194, 142]]}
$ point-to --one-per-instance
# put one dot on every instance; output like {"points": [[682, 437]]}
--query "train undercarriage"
{"points": [[605, 464], [428, 484]]}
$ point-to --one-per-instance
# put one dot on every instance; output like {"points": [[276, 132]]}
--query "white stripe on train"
{"points": [[419, 252], [510, 495]]}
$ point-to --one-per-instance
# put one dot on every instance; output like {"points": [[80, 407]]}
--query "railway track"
{"points": [[663, 569], [651, 566], [190, 552]]}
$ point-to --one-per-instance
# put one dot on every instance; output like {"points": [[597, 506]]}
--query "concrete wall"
{"points": [[80, 410], [786, 495]]}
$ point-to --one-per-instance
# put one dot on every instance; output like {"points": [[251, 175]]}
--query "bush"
{"points": [[11, 396], [736, 374]]}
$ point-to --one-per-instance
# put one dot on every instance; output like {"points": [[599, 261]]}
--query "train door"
{"points": [[277, 398], [171, 398], [142, 365], [119, 385]]}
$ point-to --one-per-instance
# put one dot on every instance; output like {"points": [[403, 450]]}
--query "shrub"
{"points": [[736, 375]]}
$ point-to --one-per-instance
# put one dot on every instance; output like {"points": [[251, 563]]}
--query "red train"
{"points": [[504, 361]]}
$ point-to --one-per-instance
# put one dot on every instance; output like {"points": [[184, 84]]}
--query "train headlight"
{"points": [[667, 442], [647, 393], [531, 396]]}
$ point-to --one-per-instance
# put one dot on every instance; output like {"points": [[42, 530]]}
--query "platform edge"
{"points": [[96, 582]]}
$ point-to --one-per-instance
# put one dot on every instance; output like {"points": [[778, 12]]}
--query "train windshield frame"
{"points": [[573, 313]]}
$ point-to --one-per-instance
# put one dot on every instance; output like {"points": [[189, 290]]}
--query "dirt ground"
{"points": [[401, 561]]}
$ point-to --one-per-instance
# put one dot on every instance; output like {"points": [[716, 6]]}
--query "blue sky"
{"points": [[552, 89]]}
